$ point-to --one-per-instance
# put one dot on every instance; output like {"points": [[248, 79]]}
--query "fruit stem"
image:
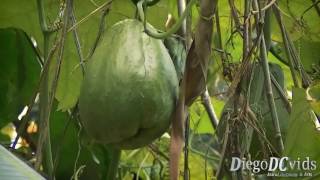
{"points": [[162, 35]]}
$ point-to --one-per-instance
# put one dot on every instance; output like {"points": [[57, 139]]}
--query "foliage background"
{"points": [[19, 77]]}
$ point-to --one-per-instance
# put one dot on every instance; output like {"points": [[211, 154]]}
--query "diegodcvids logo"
{"points": [[273, 164]]}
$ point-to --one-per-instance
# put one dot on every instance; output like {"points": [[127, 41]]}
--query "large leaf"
{"points": [[308, 51], [260, 106], [65, 147], [263, 111], [299, 19], [70, 78], [303, 140], [19, 73], [68, 89], [12, 168]]}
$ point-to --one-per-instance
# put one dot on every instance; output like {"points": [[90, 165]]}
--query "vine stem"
{"points": [[45, 68], [77, 41], [206, 101], [44, 94], [225, 143], [271, 102], [105, 5], [235, 16], [291, 52], [181, 9], [47, 98], [188, 36], [287, 49], [281, 93], [186, 171], [183, 33], [99, 34], [315, 4], [172, 30]]}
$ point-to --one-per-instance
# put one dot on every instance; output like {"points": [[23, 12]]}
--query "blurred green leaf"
{"points": [[199, 167], [65, 147], [19, 73], [260, 106], [199, 119], [302, 126], [299, 19], [68, 89], [307, 50]]}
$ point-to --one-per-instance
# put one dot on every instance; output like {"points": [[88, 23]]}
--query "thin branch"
{"points": [[253, 118], [157, 151], [188, 36], [47, 61], [219, 173], [292, 54], [274, 52], [281, 93], [105, 5], [315, 5], [44, 136], [100, 33], [306, 81], [42, 16], [274, 114], [222, 52], [286, 44], [235, 16], [243, 68], [206, 101], [269, 5], [181, 7], [77, 41], [161, 35], [186, 175], [246, 47]]}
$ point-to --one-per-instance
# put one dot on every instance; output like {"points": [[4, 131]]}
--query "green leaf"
{"points": [[263, 111], [299, 19], [68, 89], [12, 168], [309, 53], [199, 119], [260, 106], [314, 93], [307, 50], [65, 146], [303, 140], [19, 73], [69, 83]]}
